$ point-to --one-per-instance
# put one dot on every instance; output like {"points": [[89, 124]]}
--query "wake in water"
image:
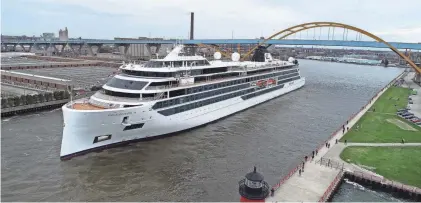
{"points": [[20, 117], [382, 195], [8, 119], [55, 110], [356, 185]]}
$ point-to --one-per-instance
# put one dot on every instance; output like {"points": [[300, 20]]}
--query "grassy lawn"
{"points": [[386, 103], [374, 125], [402, 164]]}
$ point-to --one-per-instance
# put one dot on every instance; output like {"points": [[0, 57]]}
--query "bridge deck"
{"points": [[373, 44]]}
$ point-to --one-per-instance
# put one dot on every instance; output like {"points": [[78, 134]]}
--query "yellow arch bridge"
{"points": [[298, 28]]}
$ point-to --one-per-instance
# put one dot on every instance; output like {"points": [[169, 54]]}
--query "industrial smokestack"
{"points": [[192, 25]]}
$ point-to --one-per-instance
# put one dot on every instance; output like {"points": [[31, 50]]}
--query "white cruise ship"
{"points": [[179, 92]]}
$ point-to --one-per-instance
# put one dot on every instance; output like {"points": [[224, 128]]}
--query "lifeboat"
{"points": [[271, 81], [261, 83]]}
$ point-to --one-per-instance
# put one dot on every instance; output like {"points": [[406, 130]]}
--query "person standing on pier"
{"points": [[299, 171], [303, 166]]}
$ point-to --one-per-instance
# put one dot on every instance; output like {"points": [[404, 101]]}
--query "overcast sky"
{"points": [[393, 20]]}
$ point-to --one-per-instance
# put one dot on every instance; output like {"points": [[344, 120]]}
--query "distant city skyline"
{"points": [[213, 19]]}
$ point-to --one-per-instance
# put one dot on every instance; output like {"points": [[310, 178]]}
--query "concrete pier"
{"points": [[318, 180], [310, 186]]}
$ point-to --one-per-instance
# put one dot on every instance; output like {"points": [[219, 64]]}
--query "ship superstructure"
{"points": [[168, 95]]}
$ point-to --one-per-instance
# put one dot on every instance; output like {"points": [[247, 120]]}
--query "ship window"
{"points": [[176, 93], [165, 103], [125, 119], [178, 63], [121, 94], [126, 84], [153, 64], [215, 70], [160, 83], [133, 126], [101, 138], [147, 74]]}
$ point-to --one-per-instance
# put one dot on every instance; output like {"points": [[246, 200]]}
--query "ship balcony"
{"points": [[238, 70]]}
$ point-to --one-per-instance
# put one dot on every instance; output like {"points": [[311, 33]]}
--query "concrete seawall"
{"points": [[32, 107], [319, 180], [48, 65], [376, 183]]}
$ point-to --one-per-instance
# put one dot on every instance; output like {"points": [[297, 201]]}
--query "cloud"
{"points": [[212, 18], [404, 31], [220, 18], [403, 34]]}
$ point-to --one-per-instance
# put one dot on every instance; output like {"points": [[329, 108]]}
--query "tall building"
{"points": [[63, 34]]}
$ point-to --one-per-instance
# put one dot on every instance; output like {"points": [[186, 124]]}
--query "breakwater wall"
{"points": [[10, 111]]}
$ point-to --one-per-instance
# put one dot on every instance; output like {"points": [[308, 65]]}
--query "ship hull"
{"points": [[82, 129]]}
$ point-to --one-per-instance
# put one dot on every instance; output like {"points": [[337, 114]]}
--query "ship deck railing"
{"points": [[169, 87], [101, 95], [90, 104]]}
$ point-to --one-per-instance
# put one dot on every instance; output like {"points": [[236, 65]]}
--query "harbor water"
{"points": [[203, 164], [353, 192]]}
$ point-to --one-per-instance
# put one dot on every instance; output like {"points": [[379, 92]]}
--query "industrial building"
{"points": [[144, 51]]}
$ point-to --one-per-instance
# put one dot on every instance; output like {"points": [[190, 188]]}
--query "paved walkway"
{"points": [[312, 184], [308, 187], [316, 179], [336, 149], [416, 106]]}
